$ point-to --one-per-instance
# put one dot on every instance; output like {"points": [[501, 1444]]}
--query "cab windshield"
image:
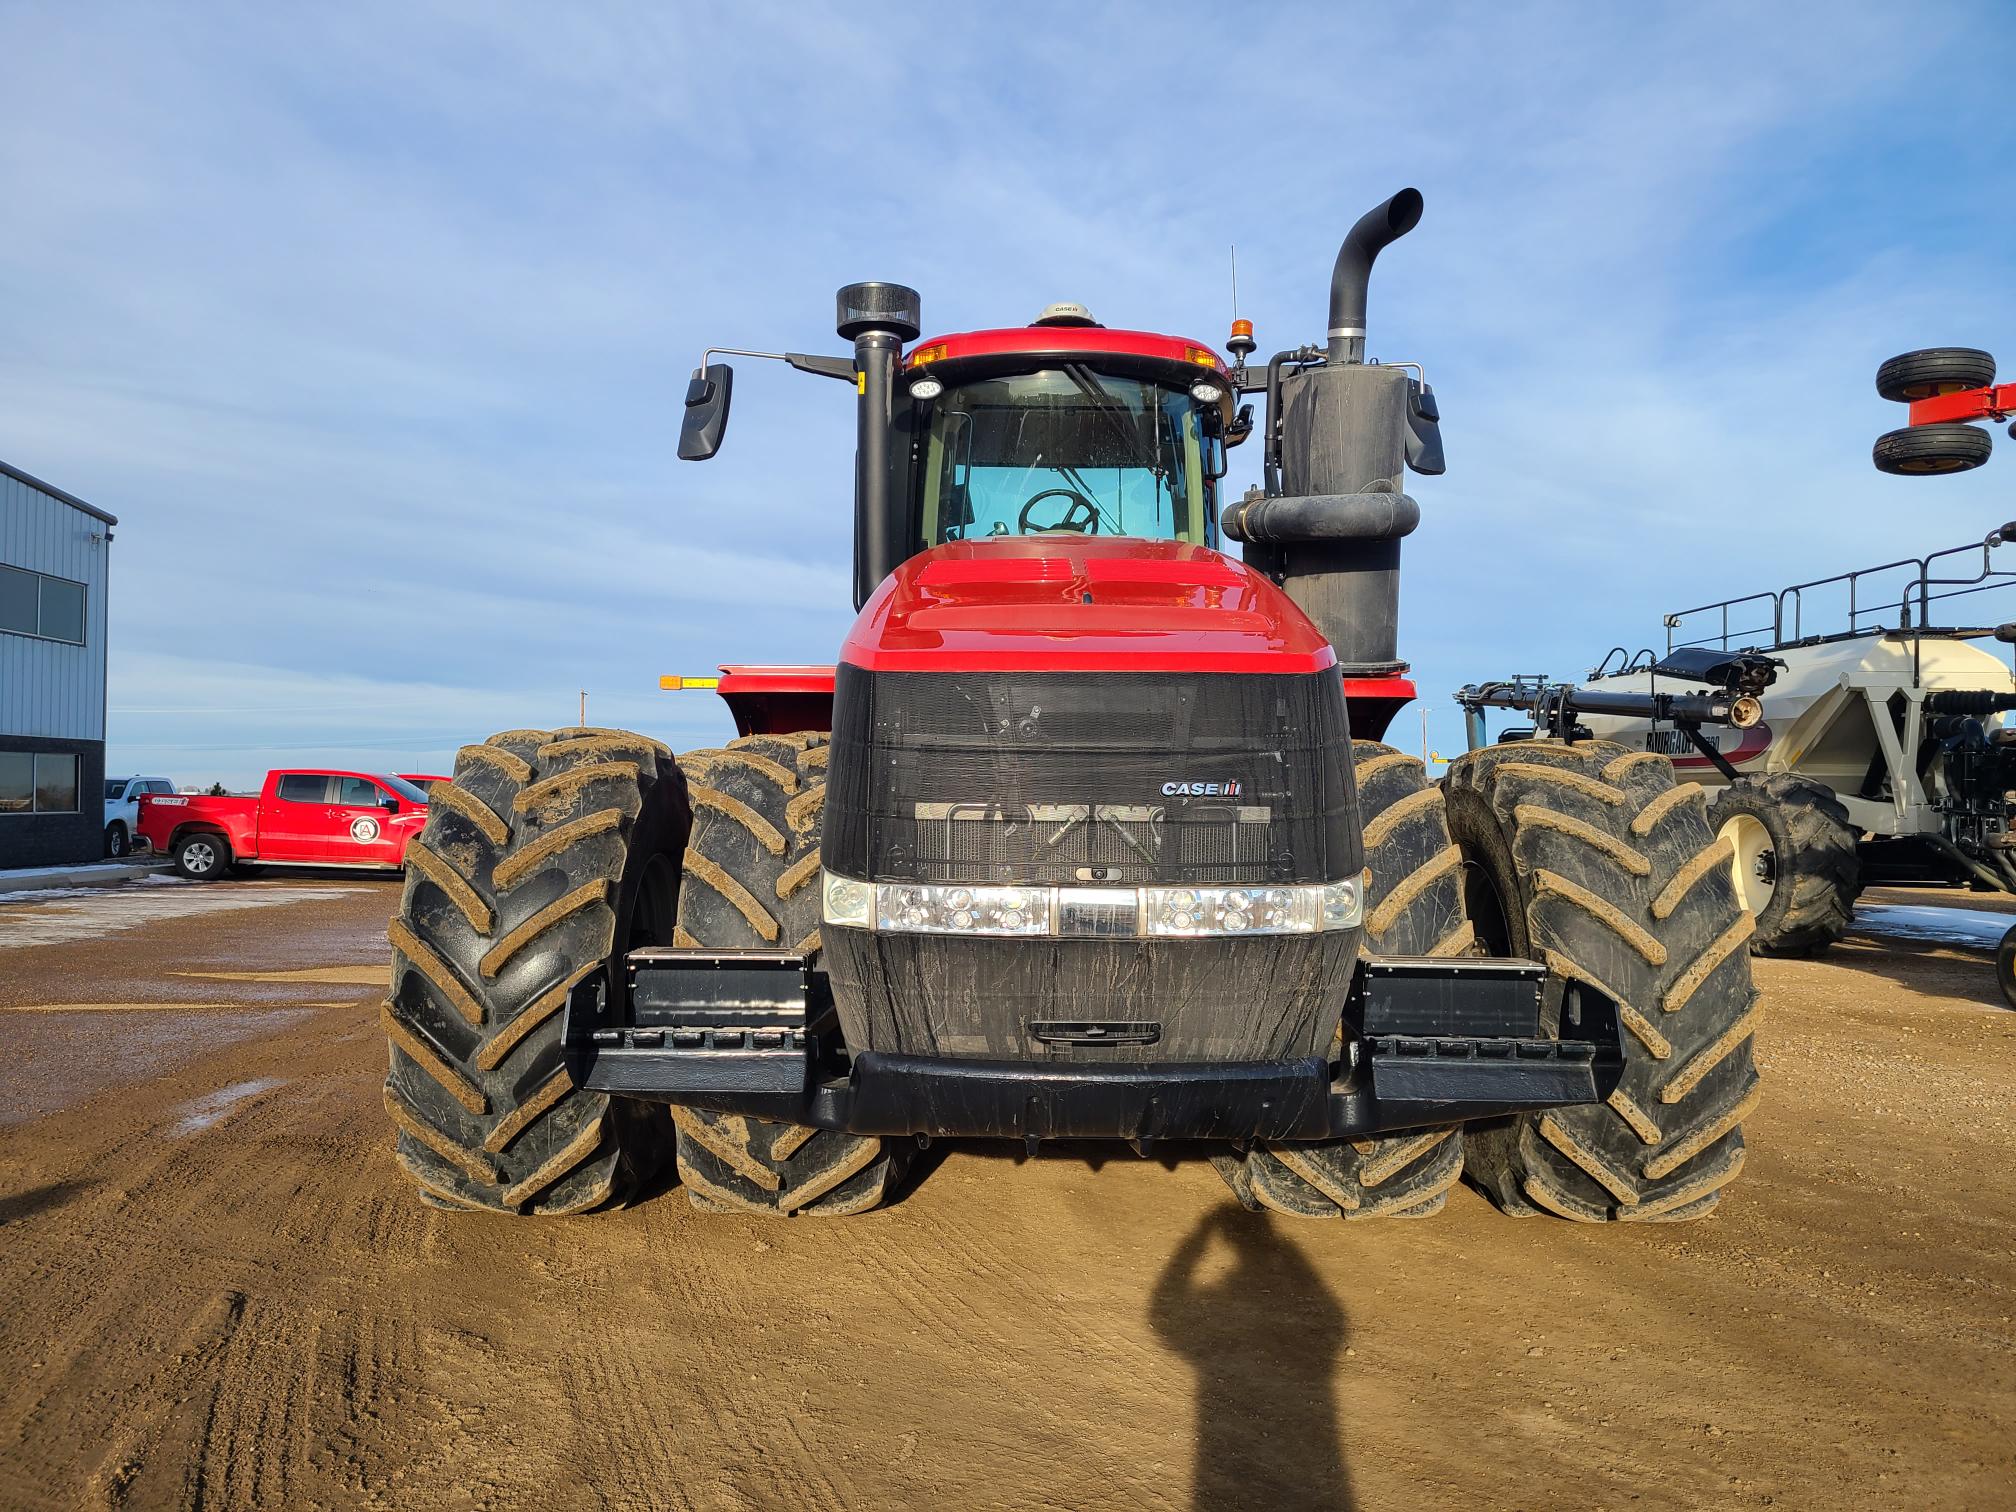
{"points": [[1064, 449]]}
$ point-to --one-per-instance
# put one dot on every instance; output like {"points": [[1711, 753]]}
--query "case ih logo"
{"points": [[1200, 790]]}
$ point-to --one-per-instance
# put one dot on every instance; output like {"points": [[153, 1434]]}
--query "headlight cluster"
{"points": [[1181, 912], [963, 910], [1243, 910]]}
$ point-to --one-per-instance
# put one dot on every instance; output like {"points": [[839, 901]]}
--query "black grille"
{"points": [[1059, 777]]}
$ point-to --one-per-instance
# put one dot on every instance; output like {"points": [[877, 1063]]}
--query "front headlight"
{"points": [[1194, 912], [849, 902], [1229, 910], [1343, 904], [924, 908]]}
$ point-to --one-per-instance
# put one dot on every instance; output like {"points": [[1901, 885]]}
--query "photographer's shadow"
{"points": [[1264, 1339]]}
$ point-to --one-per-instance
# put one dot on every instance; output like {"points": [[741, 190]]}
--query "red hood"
{"points": [[1058, 603]]}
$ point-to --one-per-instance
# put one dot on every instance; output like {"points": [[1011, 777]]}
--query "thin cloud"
{"points": [[372, 323]]}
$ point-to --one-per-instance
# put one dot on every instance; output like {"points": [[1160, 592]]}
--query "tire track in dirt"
{"points": [[740, 1405], [1838, 1335]]}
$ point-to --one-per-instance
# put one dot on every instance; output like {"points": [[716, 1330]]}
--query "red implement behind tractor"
{"points": [[1085, 834]]}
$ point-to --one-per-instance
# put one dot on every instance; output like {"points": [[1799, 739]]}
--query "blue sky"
{"points": [[372, 324]]}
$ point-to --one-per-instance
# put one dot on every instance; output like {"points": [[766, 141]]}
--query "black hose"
{"points": [[1323, 517], [1971, 702], [1270, 453], [1968, 863]]}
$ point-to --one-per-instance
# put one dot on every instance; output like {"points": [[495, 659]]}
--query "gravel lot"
{"points": [[220, 1294]]}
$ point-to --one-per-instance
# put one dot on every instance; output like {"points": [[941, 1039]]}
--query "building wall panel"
{"points": [[51, 689]]}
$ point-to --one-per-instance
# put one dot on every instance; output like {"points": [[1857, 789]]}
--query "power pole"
{"points": [[584, 709]]}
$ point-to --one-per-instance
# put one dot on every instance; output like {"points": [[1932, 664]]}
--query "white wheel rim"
{"points": [[1754, 866], [199, 857]]}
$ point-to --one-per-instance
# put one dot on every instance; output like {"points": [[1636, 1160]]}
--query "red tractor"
{"points": [[1088, 835]]}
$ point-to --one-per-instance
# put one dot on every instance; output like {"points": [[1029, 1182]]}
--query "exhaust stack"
{"points": [[1351, 278], [1330, 525]]}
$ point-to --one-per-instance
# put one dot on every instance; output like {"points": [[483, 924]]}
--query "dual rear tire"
{"points": [[752, 881], [1588, 857], [1413, 907], [549, 857]]}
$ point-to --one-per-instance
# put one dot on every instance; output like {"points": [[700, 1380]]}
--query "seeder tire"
{"points": [[752, 881], [1934, 370], [549, 855], [1413, 907], [1920, 451], [1814, 857], [1588, 857]]}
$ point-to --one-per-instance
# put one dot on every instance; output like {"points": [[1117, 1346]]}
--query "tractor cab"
{"points": [[1061, 427]]}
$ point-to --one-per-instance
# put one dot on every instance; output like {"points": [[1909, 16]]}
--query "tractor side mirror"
{"points": [[706, 412], [1424, 431]]}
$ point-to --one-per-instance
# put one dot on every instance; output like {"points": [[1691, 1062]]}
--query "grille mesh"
{"points": [[1058, 777]]}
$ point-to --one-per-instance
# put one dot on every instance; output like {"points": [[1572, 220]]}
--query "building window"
{"points": [[37, 784], [33, 603]]}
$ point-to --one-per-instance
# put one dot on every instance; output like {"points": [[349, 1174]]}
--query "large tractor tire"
{"points": [[752, 881], [549, 856], [1587, 856], [1795, 862], [1413, 907], [1935, 370]]}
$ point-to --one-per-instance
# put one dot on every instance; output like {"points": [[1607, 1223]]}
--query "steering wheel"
{"points": [[1080, 515]]}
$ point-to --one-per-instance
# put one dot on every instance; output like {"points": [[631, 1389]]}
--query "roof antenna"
{"points": [[1240, 344]]}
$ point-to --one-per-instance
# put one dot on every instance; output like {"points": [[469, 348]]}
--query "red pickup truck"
{"points": [[301, 817]]}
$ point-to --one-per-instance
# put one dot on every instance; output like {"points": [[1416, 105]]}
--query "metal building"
{"points": [[54, 556]]}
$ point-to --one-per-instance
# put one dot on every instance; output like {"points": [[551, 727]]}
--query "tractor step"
{"points": [[741, 1023]]}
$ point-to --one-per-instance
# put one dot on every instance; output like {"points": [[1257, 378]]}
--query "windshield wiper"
{"points": [[1114, 410]]}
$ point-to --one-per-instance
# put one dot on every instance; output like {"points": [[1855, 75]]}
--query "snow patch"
{"points": [[202, 1112], [57, 916], [1975, 927]]}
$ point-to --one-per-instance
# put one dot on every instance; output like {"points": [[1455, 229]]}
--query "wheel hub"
{"points": [[1753, 866]]}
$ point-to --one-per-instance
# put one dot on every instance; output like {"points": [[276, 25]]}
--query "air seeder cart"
{"points": [[1873, 747], [1087, 833]]}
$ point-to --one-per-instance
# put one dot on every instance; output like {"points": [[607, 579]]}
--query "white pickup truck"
{"points": [[122, 809]]}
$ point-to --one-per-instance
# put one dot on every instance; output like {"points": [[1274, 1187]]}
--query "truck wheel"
{"points": [[115, 839], [548, 857], [752, 881], [1587, 856], [1414, 907], [1922, 450], [1794, 861], [202, 856], [1935, 370]]}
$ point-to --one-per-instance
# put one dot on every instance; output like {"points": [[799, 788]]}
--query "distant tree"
{"points": [[216, 790]]}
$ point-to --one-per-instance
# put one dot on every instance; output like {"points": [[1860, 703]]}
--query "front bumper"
{"points": [[1423, 1043]]}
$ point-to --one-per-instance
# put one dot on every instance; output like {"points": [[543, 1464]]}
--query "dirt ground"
{"points": [[219, 1293]]}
